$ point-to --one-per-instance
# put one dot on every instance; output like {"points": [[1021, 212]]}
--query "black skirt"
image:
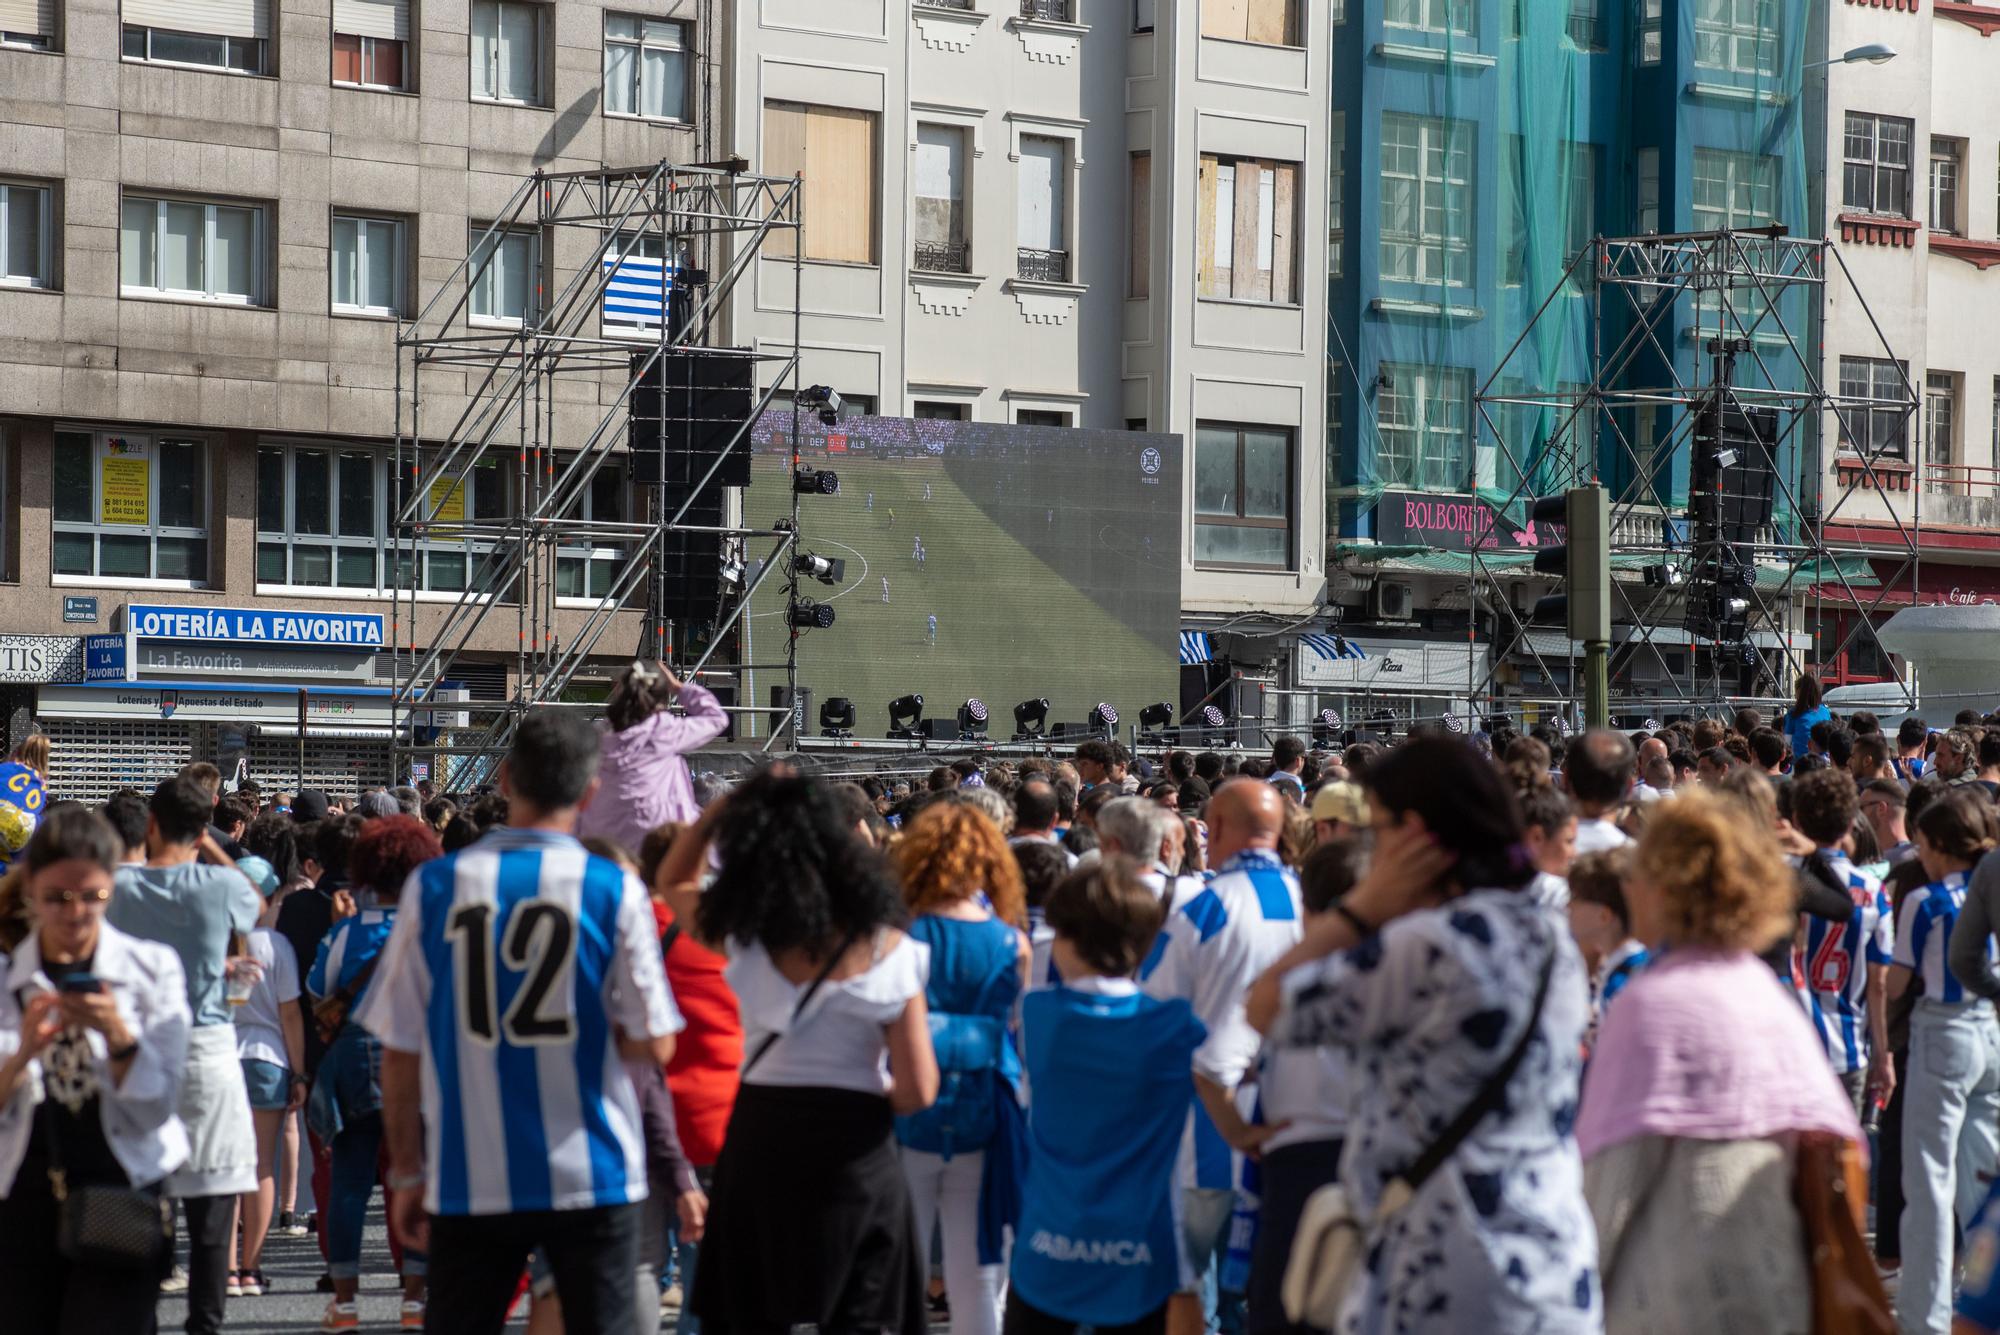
{"points": [[809, 1220]]}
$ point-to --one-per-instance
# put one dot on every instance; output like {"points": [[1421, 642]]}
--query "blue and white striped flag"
{"points": [[636, 293], [1332, 647], [1196, 648]]}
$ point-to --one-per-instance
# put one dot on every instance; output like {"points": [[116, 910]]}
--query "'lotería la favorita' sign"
{"points": [[1455, 524], [326, 630]]}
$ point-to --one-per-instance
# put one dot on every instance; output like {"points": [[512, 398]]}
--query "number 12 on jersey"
{"points": [[537, 939]]}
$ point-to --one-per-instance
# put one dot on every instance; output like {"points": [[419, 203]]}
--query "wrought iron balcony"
{"points": [[942, 257], [1053, 11], [1043, 266]]}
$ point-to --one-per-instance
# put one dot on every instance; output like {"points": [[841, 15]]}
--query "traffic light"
{"points": [[1582, 561]]}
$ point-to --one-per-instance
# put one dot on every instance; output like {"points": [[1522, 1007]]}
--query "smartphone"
{"points": [[82, 982]]}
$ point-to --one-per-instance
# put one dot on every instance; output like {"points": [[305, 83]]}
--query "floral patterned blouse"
{"points": [[1499, 1240]]}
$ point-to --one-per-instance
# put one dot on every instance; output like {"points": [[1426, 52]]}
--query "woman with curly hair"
{"points": [[1703, 1076], [964, 886], [809, 1221]]}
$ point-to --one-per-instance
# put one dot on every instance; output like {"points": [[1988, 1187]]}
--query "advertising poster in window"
{"points": [[125, 487], [447, 505]]}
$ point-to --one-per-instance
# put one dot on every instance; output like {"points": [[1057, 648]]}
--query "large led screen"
{"points": [[983, 560]]}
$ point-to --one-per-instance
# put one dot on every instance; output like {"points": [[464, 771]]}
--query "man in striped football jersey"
{"points": [[521, 973], [1846, 963]]}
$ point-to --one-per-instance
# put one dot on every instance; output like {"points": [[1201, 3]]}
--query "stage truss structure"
{"points": [[472, 397], [1731, 290]]}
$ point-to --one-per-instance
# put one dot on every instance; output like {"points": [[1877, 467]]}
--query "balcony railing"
{"points": [[1052, 11], [942, 257], [1043, 266], [1962, 480]]}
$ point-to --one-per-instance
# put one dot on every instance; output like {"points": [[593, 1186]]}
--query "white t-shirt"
{"points": [[837, 1040], [260, 1033], [1594, 834]]}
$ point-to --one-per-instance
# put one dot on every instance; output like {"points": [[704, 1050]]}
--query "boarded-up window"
{"points": [[1246, 229], [1272, 22], [1139, 283], [834, 150]]}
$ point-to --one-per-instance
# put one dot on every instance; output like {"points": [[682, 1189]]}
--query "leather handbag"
{"points": [[109, 1227], [330, 1012], [1847, 1293], [1332, 1235]]}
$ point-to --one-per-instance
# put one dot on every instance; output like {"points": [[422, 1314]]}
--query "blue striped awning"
{"points": [[1332, 647], [636, 291], [1196, 648]]}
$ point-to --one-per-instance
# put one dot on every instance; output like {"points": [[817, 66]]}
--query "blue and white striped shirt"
{"points": [[513, 967], [1836, 960], [1923, 936]]}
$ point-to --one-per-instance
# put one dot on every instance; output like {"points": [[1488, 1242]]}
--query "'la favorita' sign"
{"points": [[236, 625]]}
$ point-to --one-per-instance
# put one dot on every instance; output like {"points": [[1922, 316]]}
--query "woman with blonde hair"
{"points": [[966, 900], [1702, 1077]]}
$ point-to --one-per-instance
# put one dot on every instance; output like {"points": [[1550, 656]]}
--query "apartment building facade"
{"points": [[213, 217], [1090, 213], [1912, 148]]}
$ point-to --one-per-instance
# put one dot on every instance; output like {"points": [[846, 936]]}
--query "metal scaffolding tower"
{"points": [[547, 401], [1752, 304]]}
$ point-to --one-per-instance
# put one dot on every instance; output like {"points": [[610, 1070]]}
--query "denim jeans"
{"points": [[1951, 1139], [356, 1153]]}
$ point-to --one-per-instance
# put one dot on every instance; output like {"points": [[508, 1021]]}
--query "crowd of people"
{"points": [[1515, 1031]]}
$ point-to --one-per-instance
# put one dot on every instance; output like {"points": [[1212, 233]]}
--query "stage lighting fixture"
{"points": [[805, 614], [1031, 720], [816, 481], [1155, 717], [906, 715], [1103, 718], [826, 569], [824, 399], [971, 720], [1326, 729], [836, 717]]}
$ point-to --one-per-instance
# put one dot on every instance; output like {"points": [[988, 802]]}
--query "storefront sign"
{"points": [[1401, 666], [169, 658], [187, 704], [344, 630], [125, 487], [80, 609], [104, 658], [1455, 524], [41, 658]]}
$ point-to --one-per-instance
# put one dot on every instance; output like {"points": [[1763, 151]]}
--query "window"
{"points": [[1242, 495], [1427, 200], [371, 43], [1646, 191], [1733, 190], [29, 23], [1575, 195], [940, 243], [645, 68], [1270, 22], [319, 519], [367, 265], [1042, 237], [1142, 15], [505, 274], [1877, 164], [1422, 415], [1444, 16], [1139, 280], [1946, 157], [1248, 217], [1336, 196], [1585, 26], [1940, 427], [228, 35], [192, 250], [1740, 36], [27, 236], [835, 149], [1872, 418], [936, 410], [448, 557], [589, 569], [1043, 417], [1648, 44], [130, 506], [507, 51]]}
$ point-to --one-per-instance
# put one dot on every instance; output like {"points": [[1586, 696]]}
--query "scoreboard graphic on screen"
{"points": [[983, 560]]}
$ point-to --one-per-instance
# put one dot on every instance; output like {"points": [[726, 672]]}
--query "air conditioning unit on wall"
{"points": [[1393, 601]]}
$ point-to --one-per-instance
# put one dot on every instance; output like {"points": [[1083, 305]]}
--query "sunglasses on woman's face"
{"points": [[65, 898]]}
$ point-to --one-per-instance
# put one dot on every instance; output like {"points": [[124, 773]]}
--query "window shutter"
{"points": [[840, 185], [224, 18], [373, 18], [34, 18], [784, 155]]}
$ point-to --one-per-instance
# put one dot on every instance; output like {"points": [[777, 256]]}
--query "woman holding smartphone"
{"points": [[93, 1039]]}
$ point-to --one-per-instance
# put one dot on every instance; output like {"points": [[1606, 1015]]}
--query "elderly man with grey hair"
{"points": [[1153, 835]]}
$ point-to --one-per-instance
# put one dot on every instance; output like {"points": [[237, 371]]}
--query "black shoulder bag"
{"points": [[105, 1226]]}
